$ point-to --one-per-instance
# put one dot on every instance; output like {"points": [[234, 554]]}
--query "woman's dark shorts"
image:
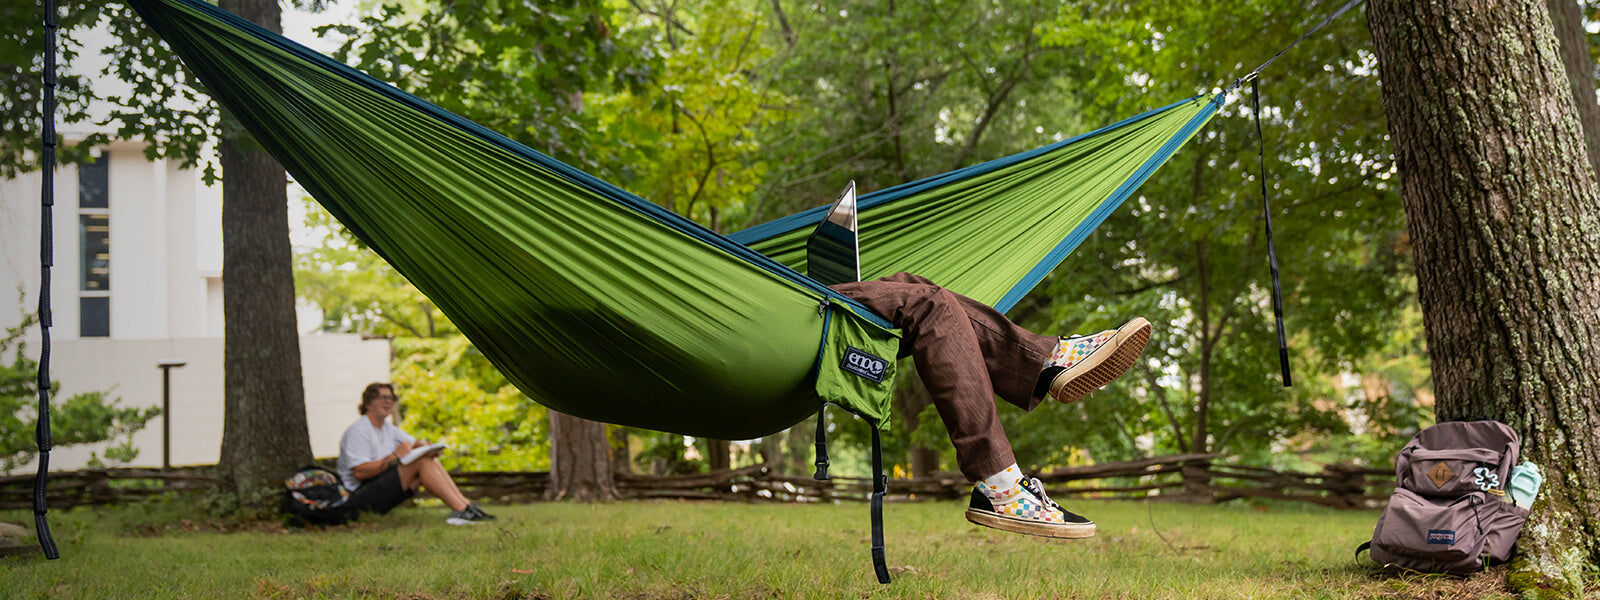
{"points": [[381, 493]]}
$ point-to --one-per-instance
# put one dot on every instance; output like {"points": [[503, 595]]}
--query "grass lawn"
{"points": [[656, 550]]}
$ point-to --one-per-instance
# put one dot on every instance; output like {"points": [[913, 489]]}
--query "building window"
{"points": [[94, 248], [94, 181], [94, 316]]}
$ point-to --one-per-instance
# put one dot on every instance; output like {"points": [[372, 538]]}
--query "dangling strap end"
{"points": [[1283, 361], [822, 444], [880, 565], [880, 487]]}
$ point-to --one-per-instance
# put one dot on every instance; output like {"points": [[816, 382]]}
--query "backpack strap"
{"points": [[1364, 546], [880, 486]]}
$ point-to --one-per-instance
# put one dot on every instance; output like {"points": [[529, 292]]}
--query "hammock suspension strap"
{"points": [[1272, 252], [46, 259], [880, 486]]}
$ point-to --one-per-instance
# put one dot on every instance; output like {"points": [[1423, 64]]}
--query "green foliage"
{"points": [[1188, 251], [519, 68], [885, 93], [355, 289], [451, 393], [21, 64], [81, 419], [163, 104], [684, 138]]}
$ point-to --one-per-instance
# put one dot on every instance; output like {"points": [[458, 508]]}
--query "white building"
{"points": [[137, 280]]}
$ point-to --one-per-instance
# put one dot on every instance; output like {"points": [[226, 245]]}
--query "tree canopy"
{"points": [[734, 113]]}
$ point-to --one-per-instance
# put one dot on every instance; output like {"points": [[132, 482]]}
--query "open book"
{"points": [[420, 452]]}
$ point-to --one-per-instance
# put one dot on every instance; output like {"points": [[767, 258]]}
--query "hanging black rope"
{"points": [[1272, 251], [46, 250]]}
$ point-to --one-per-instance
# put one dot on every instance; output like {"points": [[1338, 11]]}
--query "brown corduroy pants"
{"points": [[966, 353]]}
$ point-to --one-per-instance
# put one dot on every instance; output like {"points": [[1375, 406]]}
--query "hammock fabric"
{"points": [[602, 305]]}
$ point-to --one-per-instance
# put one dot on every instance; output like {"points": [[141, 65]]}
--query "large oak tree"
{"points": [[264, 432], [1504, 212]]}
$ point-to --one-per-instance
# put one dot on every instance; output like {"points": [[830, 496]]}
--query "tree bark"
{"points": [[264, 434], [580, 460], [719, 454], [1567, 18], [1504, 210]]}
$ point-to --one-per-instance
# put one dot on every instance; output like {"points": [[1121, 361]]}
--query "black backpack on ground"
{"points": [[314, 496]]}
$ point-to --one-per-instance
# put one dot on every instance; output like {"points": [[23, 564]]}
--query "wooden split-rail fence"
{"points": [[1183, 477]]}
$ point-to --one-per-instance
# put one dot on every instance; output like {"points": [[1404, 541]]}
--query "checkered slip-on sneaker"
{"points": [[1089, 362], [1028, 510]]}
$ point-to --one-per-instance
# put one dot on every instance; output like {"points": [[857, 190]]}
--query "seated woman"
{"points": [[369, 463]]}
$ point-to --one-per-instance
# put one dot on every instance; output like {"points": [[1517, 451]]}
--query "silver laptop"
{"points": [[833, 254]]}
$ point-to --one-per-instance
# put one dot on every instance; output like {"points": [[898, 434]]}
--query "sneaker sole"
{"points": [[1073, 531], [1103, 367], [460, 521]]}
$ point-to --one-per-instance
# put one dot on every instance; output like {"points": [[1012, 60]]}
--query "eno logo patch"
{"points": [[864, 364], [1442, 536]]}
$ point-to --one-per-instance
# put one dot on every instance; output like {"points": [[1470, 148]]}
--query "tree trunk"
{"points": [[771, 449], [1504, 210], [719, 454], [580, 460], [264, 434], [1567, 17]]}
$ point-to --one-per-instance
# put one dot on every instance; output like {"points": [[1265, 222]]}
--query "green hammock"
{"points": [[605, 306]]}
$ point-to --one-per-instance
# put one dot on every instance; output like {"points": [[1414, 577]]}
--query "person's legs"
{"points": [[1012, 355], [382, 492], [965, 352], [432, 476]]}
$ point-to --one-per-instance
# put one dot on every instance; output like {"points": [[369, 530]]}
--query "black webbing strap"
{"points": [[1266, 213], [1347, 6], [822, 443], [1364, 545], [1272, 252], [46, 250], [880, 486]]}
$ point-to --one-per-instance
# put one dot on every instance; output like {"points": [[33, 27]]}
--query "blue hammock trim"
{"points": [[1101, 213], [810, 217]]}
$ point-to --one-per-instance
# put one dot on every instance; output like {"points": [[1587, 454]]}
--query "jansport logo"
{"points": [[864, 364], [1442, 536]]}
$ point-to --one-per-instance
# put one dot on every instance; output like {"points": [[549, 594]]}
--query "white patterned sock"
{"points": [[1004, 486]]}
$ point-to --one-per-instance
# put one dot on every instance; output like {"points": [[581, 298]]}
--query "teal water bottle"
{"points": [[1525, 481]]}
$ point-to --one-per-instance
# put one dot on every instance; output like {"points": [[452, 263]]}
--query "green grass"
{"points": [[652, 550]]}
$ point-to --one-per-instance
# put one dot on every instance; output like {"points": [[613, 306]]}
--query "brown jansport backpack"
{"points": [[1449, 512]]}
